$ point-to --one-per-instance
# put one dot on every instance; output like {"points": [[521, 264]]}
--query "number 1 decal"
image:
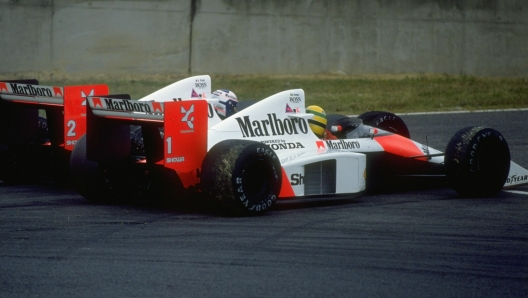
{"points": [[169, 145]]}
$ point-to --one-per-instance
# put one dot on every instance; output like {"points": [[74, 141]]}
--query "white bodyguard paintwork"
{"points": [[294, 143], [281, 122], [517, 176], [188, 89]]}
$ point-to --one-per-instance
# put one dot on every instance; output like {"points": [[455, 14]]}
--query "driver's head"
{"points": [[228, 103], [318, 123]]}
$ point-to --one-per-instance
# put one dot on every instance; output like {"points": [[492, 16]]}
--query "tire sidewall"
{"points": [[386, 121], [225, 172], [477, 161], [253, 155]]}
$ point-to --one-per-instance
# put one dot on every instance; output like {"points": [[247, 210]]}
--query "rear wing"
{"points": [[29, 91], [65, 107], [174, 132]]}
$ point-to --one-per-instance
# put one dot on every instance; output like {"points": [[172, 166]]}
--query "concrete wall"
{"points": [[473, 37]]}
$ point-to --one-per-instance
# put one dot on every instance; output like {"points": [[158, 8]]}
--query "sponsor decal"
{"points": [[425, 149], [156, 106], [89, 94], [320, 146], [57, 91], [175, 159], [83, 95], [297, 179], [187, 118], [3, 87], [292, 157], [34, 90], [342, 144], [223, 94], [126, 105], [97, 102], [272, 126], [295, 97], [266, 203], [220, 109], [200, 84], [290, 110], [194, 94], [283, 146], [266, 151], [274, 141], [515, 179]]}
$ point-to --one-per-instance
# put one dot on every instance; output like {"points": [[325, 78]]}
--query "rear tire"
{"points": [[27, 163], [118, 182], [86, 179], [386, 121], [166, 189], [477, 161], [43, 130], [244, 177], [347, 124]]}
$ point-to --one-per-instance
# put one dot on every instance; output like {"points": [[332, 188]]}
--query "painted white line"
{"points": [[457, 112], [518, 192], [465, 111]]}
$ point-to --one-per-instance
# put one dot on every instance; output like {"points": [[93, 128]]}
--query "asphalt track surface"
{"points": [[420, 243]]}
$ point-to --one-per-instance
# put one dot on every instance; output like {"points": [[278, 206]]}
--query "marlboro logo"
{"points": [[126, 105]]}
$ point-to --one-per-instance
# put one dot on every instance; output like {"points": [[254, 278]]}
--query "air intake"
{"points": [[320, 178]]}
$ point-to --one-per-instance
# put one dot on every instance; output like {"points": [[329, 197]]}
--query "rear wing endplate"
{"points": [[65, 111], [181, 146]]}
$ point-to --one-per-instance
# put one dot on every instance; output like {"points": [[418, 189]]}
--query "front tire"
{"points": [[244, 177], [477, 161]]}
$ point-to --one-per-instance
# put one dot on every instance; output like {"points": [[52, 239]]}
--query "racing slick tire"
{"points": [[27, 163], [165, 188], [43, 130], [13, 169], [137, 146], [477, 161], [243, 177], [86, 177], [386, 121]]}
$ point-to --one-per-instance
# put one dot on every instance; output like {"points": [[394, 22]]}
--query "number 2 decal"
{"points": [[71, 131]]}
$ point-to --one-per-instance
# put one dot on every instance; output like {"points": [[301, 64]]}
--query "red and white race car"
{"points": [[265, 153], [34, 146]]}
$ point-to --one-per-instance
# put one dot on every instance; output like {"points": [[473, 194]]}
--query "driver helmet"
{"points": [[318, 122], [227, 103]]}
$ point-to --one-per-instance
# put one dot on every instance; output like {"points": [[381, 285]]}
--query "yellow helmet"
{"points": [[318, 123]]}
